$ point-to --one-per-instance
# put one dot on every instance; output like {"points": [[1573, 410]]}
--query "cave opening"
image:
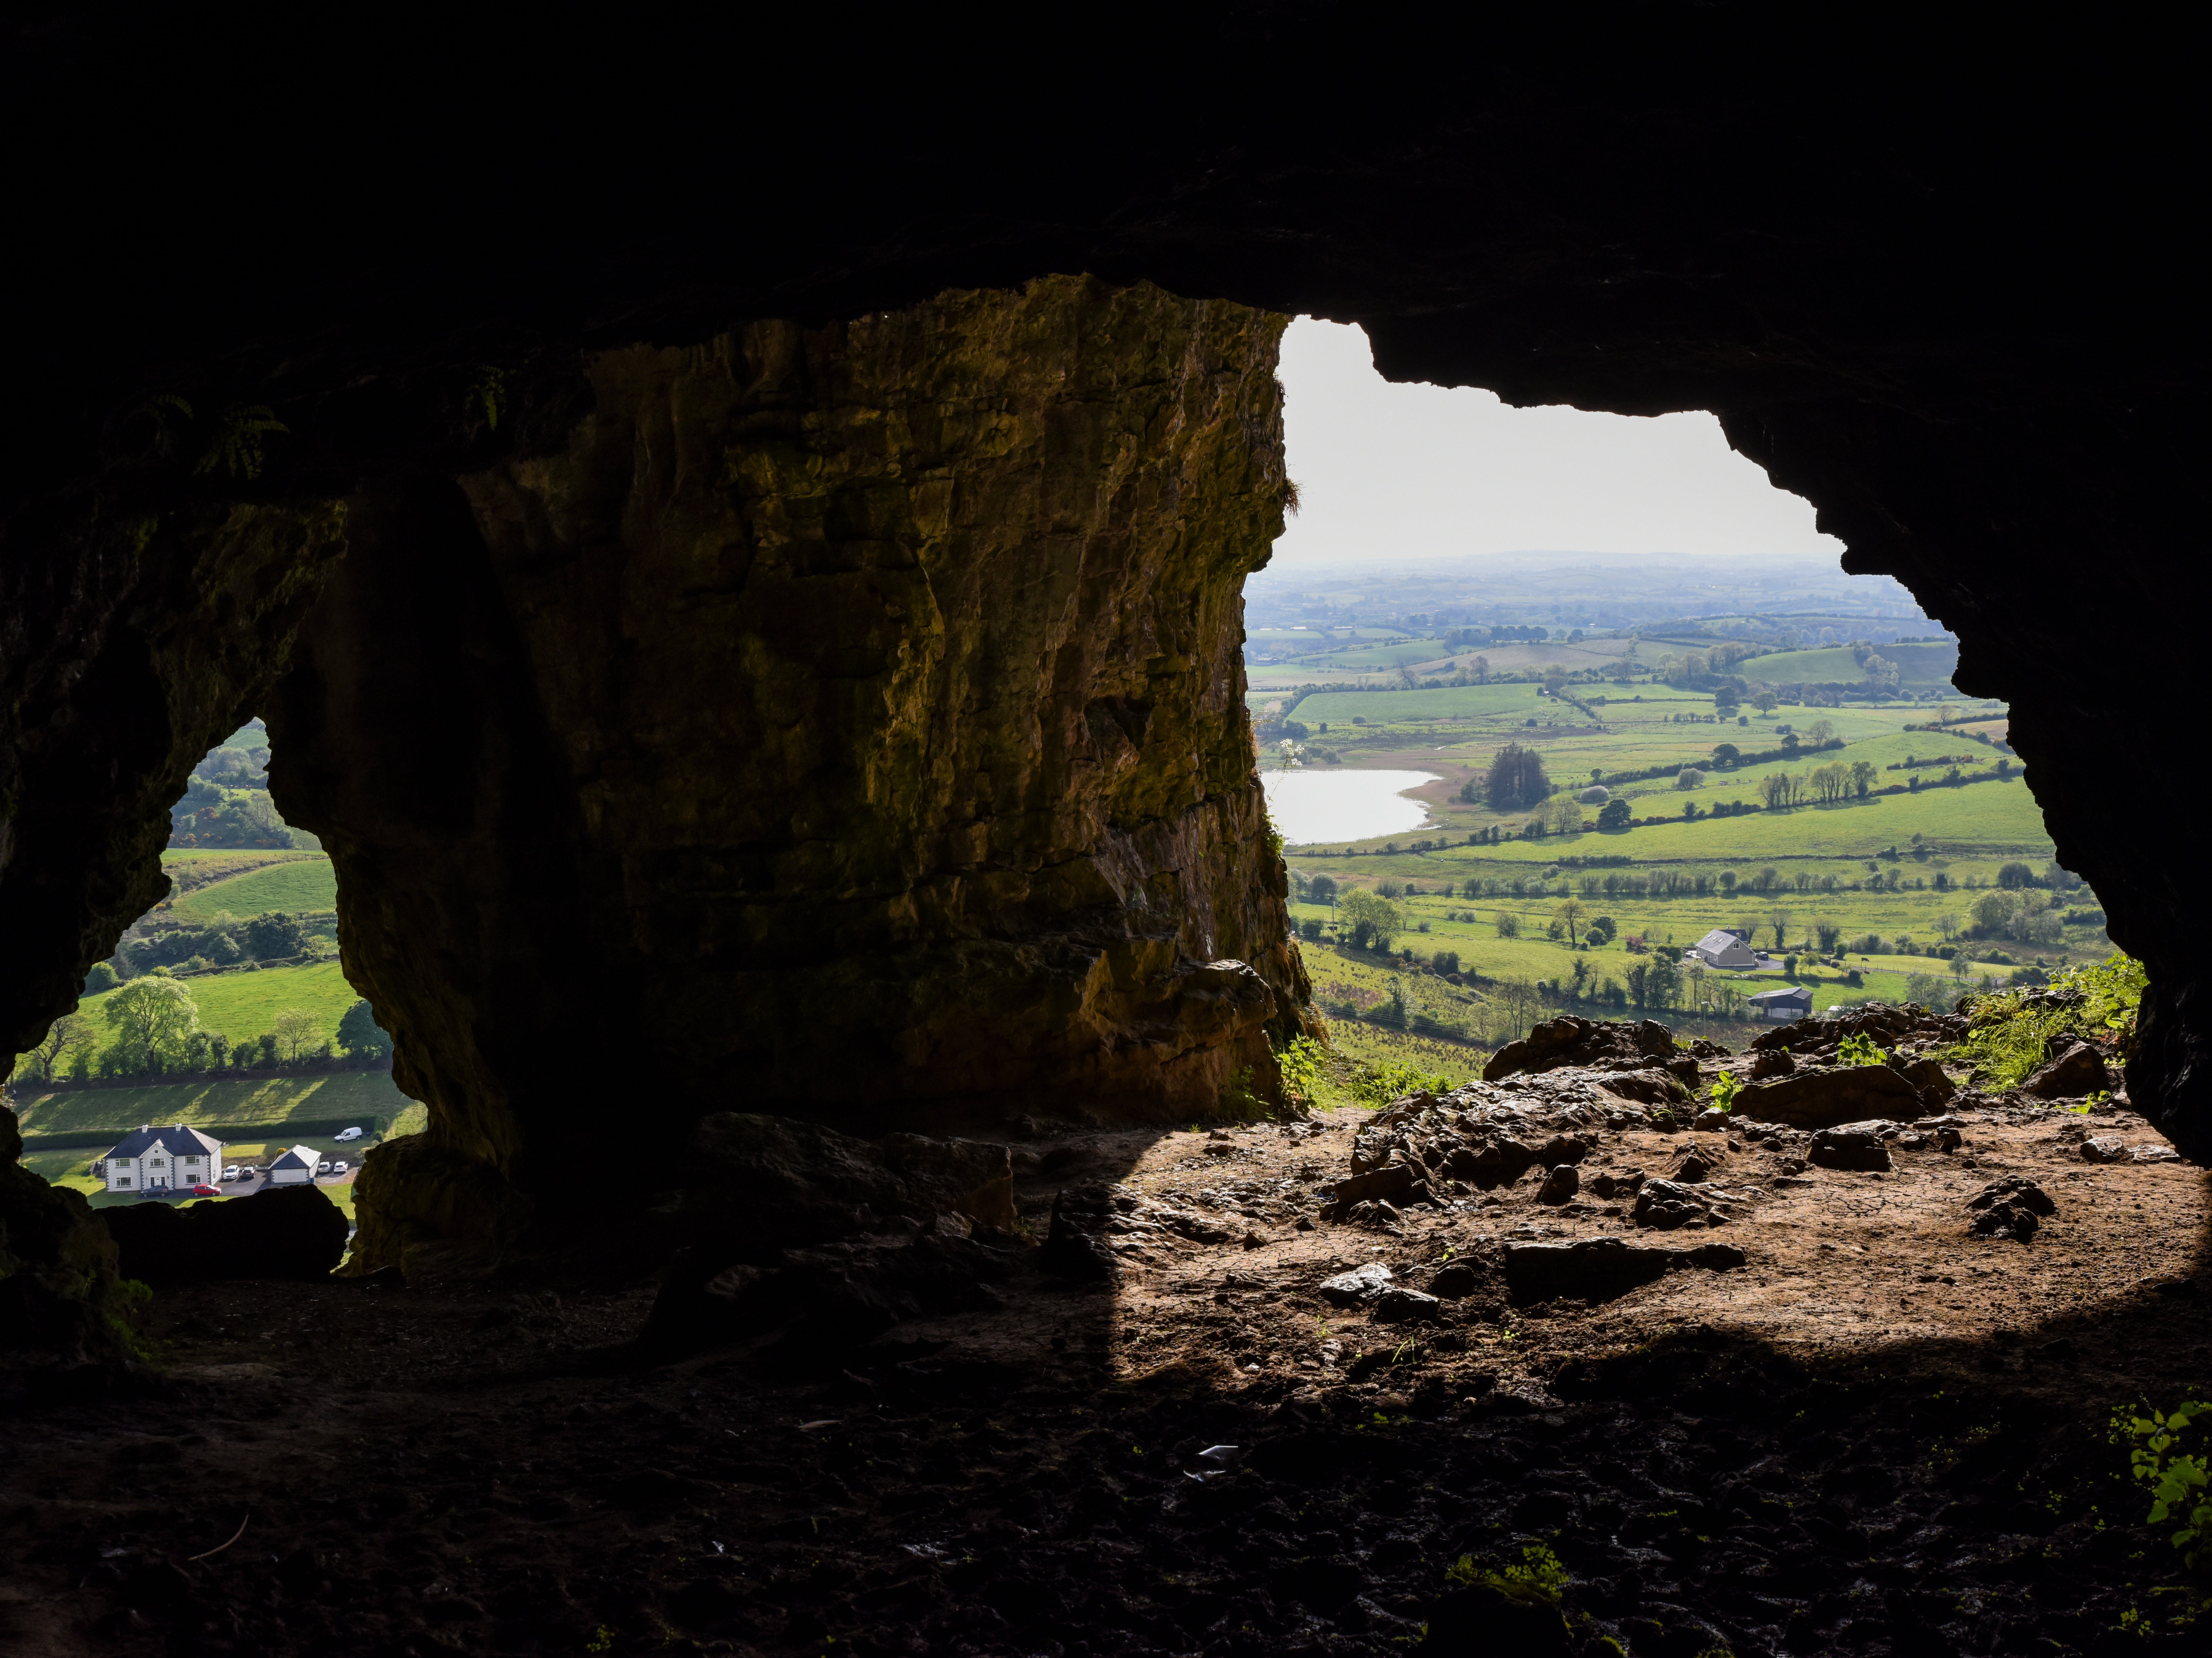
{"points": [[765, 671]]}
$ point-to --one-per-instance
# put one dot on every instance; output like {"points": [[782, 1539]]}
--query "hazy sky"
{"points": [[1420, 471]]}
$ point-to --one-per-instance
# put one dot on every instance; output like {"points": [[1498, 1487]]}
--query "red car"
{"points": [[204, 1192]]}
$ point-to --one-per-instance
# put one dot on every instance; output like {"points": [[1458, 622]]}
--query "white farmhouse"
{"points": [[295, 1168], [159, 1161], [1723, 947]]}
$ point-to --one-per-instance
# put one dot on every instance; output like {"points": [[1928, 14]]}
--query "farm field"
{"points": [[303, 882], [1442, 703], [1916, 664], [272, 1100], [242, 1004]]}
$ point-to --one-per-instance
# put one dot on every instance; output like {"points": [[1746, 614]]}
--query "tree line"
{"points": [[150, 1028]]}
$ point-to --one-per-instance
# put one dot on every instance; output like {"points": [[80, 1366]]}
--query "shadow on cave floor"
{"points": [[1775, 1459]]}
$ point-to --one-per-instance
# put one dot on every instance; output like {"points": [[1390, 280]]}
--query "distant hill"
{"points": [[1916, 664]]}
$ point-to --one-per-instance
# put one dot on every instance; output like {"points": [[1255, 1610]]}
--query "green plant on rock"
{"points": [[236, 446], [1725, 1089], [1540, 1577], [1378, 1084], [1860, 1049], [2168, 1452], [1300, 1061]]}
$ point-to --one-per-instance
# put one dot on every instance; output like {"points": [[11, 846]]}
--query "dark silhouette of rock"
{"points": [[1601, 1269], [2077, 1069], [1570, 1041], [1820, 1097], [57, 1266], [280, 1232], [1857, 1147]]}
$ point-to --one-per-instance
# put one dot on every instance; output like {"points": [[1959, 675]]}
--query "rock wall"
{"points": [[845, 723]]}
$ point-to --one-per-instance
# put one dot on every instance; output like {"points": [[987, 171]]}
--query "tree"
{"points": [[1600, 930], [101, 978], [1726, 754], [1555, 681], [1862, 777], [1564, 815], [1570, 914], [50, 1059], [1823, 731], [2015, 876], [359, 1032], [294, 1029], [1774, 790], [1373, 919], [1508, 924], [1481, 670], [1515, 779], [1321, 890], [1580, 976], [1790, 967], [154, 1016], [1764, 701], [1780, 921], [1725, 700], [1830, 934], [1613, 815], [274, 936], [1640, 978], [1664, 982]]}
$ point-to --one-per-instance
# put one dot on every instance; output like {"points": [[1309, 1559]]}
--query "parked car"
{"points": [[231, 1173], [338, 1167], [347, 1135], [204, 1190], [324, 1166]]}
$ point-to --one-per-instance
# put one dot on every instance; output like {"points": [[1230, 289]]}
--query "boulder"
{"points": [[2015, 1189], [1665, 1204], [1928, 1076], [1560, 1184], [57, 1267], [1857, 1147], [1601, 1269], [2077, 1069], [1570, 1041], [288, 1232], [1357, 1288], [2103, 1148], [1455, 1281], [1393, 1183], [1075, 1245], [1398, 1305], [1820, 1097]]}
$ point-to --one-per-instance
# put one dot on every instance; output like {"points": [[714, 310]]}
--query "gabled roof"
{"points": [[300, 1157], [1787, 993], [175, 1140], [1720, 940]]}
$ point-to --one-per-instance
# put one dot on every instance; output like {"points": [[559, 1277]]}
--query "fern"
{"points": [[237, 446], [1539, 1577]]}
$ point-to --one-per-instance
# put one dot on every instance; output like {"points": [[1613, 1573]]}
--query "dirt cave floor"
{"points": [[1877, 1433]]}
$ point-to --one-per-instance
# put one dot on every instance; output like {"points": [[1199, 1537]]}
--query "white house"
{"points": [[1723, 947], [158, 1160], [1790, 1002], [295, 1168]]}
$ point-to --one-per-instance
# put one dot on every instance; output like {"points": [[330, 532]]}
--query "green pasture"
{"points": [[242, 1004], [1441, 702], [272, 1100], [1916, 664], [308, 883]]}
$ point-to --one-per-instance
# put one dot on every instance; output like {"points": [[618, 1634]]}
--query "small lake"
{"points": [[1342, 804]]}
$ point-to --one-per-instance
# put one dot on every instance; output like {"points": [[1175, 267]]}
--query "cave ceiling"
{"points": [[1931, 277]]}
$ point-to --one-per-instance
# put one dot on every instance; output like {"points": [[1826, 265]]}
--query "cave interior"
{"points": [[750, 602]]}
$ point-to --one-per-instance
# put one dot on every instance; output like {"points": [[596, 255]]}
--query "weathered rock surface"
{"points": [[57, 1264], [1886, 1027], [2079, 1069], [282, 1232], [1610, 1044], [1859, 1147], [970, 815], [1820, 1097], [1360, 1286]]}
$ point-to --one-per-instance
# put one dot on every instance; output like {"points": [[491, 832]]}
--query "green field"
{"points": [[1916, 664], [300, 884], [1442, 703], [273, 1100], [242, 1004]]}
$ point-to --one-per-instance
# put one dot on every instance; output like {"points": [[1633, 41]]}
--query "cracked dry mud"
{"points": [[1878, 1434]]}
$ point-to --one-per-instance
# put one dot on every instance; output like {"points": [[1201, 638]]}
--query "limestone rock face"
{"points": [[58, 1265], [845, 723]]}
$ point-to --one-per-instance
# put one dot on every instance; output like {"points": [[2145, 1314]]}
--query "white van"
{"points": [[347, 1135]]}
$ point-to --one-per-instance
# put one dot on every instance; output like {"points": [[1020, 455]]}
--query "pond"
{"points": [[1309, 806]]}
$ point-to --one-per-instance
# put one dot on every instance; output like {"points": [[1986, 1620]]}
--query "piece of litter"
{"points": [[1227, 1456], [826, 1422]]}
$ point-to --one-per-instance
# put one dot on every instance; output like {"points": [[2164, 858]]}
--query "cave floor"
{"points": [[1877, 1435]]}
